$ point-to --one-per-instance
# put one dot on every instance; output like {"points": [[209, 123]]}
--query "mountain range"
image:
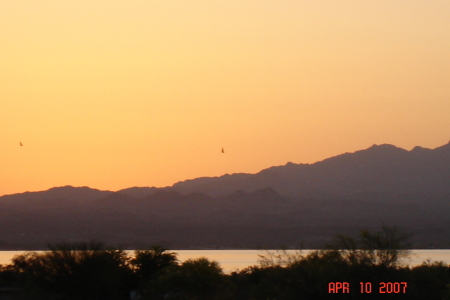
{"points": [[282, 206]]}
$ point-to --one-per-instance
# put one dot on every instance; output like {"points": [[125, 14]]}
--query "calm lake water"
{"points": [[232, 260]]}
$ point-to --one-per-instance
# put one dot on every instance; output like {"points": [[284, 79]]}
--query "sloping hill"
{"points": [[377, 170], [279, 206]]}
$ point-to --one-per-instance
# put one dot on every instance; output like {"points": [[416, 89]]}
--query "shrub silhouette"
{"points": [[193, 279], [387, 247], [148, 265], [75, 271]]}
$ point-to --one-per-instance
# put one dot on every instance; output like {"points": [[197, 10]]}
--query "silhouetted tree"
{"points": [[148, 265], [384, 248], [75, 271], [431, 280], [193, 279]]}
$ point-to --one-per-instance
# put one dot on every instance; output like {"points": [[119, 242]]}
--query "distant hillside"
{"points": [[279, 206], [378, 170], [70, 193]]}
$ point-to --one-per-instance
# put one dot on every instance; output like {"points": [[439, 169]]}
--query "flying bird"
{"points": [[20, 143], [223, 151]]}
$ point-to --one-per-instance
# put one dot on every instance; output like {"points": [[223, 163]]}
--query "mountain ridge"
{"points": [[281, 206], [336, 173], [337, 170]]}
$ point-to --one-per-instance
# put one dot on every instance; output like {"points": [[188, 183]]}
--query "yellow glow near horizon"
{"points": [[113, 94]]}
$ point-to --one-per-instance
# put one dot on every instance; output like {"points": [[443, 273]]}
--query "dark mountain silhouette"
{"points": [[379, 169], [139, 192], [279, 206], [69, 193]]}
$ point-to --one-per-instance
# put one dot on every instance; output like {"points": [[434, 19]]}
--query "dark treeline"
{"points": [[372, 262]]}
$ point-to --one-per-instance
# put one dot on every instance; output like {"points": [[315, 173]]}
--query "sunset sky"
{"points": [[113, 94]]}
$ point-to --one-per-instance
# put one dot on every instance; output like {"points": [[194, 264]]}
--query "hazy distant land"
{"points": [[283, 206]]}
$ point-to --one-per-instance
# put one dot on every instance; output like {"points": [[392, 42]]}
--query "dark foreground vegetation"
{"points": [[372, 262]]}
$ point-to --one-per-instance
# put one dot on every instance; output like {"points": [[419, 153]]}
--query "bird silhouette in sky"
{"points": [[223, 151], [20, 143]]}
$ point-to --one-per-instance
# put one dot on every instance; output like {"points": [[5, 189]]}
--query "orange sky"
{"points": [[113, 94]]}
